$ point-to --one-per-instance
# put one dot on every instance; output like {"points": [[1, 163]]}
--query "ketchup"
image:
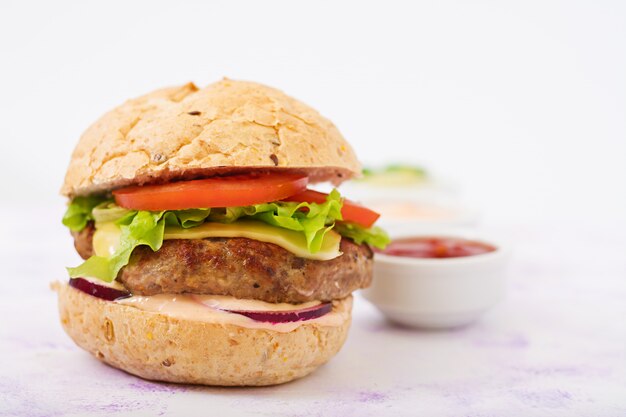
{"points": [[436, 247]]}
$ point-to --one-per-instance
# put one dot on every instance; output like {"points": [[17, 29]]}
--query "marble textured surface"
{"points": [[555, 347]]}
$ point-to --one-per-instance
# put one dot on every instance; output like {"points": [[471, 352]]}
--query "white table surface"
{"points": [[555, 347]]}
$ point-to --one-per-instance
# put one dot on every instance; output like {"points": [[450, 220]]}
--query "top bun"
{"points": [[186, 132]]}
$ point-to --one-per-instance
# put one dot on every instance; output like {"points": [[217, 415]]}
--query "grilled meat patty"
{"points": [[240, 267]]}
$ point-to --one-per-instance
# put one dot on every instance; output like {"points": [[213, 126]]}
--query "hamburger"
{"points": [[208, 259]]}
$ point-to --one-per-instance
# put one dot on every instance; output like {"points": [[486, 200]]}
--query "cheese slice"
{"points": [[106, 239], [107, 236]]}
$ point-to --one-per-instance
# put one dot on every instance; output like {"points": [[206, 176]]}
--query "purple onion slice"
{"points": [[97, 290], [288, 316]]}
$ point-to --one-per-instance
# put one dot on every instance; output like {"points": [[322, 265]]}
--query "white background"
{"points": [[523, 104]]}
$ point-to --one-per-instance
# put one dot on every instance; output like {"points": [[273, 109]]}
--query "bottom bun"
{"points": [[163, 348]]}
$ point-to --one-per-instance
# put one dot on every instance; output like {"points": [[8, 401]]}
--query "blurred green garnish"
{"points": [[414, 170], [394, 175]]}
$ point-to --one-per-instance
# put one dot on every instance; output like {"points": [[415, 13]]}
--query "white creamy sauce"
{"points": [[223, 302], [408, 210], [207, 309]]}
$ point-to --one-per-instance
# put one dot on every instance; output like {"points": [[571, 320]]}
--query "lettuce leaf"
{"points": [[314, 220], [80, 211], [143, 228], [374, 236], [147, 228]]}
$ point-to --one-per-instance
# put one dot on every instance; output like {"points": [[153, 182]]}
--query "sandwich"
{"points": [[208, 258]]}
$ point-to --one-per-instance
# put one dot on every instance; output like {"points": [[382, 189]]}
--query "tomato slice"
{"points": [[351, 212], [231, 191]]}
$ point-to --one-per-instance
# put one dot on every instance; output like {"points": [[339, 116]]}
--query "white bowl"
{"points": [[441, 292]]}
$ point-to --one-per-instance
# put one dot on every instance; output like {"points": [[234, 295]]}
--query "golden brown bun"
{"points": [[162, 348], [185, 132]]}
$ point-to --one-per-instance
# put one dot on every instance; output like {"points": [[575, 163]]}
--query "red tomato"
{"points": [[351, 212], [236, 190]]}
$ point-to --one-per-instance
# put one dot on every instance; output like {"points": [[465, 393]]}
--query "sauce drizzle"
{"points": [[436, 247]]}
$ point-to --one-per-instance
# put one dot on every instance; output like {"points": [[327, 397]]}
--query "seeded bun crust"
{"points": [[185, 132], [162, 348]]}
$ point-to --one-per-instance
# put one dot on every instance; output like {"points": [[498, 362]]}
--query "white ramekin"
{"points": [[438, 293]]}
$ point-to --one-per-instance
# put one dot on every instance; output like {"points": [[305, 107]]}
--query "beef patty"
{"points": [[240, 267]]}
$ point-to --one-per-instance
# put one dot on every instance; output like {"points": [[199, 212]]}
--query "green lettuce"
{"points": [[314, 220], [147, 228], [374, 236], [80, 212], [143, 228]]}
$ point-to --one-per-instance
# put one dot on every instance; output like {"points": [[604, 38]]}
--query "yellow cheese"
{"points": [[106, 239], [107, 236]]}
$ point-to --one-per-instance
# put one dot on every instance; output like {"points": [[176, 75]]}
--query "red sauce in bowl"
{"points": [[436, 247]]}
